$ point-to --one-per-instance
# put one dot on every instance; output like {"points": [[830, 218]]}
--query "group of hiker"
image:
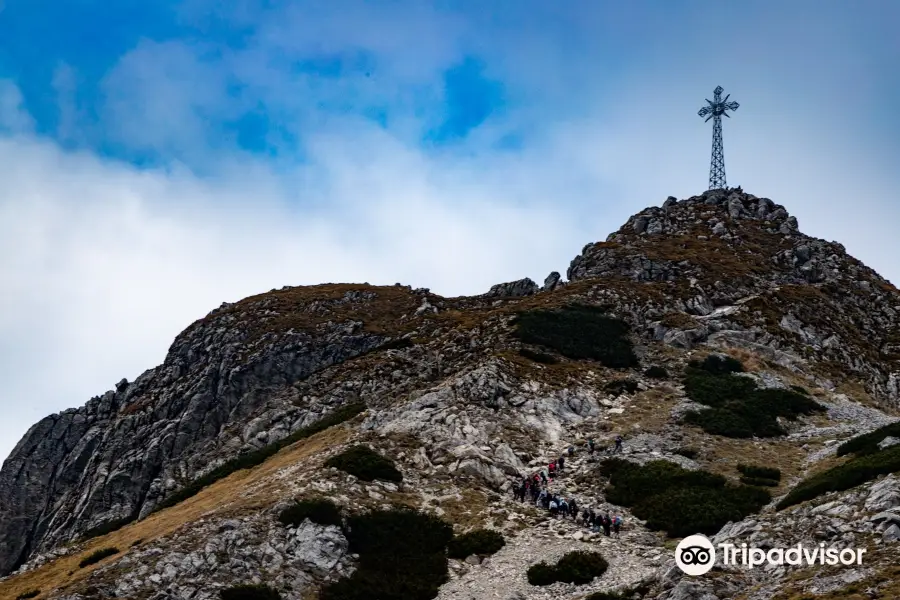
{"points": [[536, 488]]}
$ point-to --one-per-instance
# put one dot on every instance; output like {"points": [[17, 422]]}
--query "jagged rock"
{"points": [[513, 289], [552, 282], [118, 455], [891, 534], [888, 442]]}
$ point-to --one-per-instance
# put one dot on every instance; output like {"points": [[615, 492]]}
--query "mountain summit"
{"points": [[709, 333]]}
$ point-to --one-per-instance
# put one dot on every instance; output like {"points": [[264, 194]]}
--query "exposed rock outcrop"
{"points": [[464, 409]]}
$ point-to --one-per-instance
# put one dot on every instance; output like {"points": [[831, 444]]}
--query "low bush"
{"points": [[541, 574], [579, 332], [397, 344], [868, 443], [621, 386], [97, 556], [720, 421], [319, 510], [257, 457], [852, 473], [716, 390], [365, 464], [479, 541], [29, 594], [250, 592], [679, 501], [401, 557], [656, 372], [108, 527], [737, 408], [759, 481], [718, 364], [540, 357], [687, 452], [638, 591], [759, 471], [577, 567]]}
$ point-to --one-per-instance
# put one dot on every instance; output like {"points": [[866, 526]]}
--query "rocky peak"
{"points": [[460, 401]]}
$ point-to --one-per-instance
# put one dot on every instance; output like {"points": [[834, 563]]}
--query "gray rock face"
{"points": [[552, 282], [513, 289], [221, 388], [706, 240]]}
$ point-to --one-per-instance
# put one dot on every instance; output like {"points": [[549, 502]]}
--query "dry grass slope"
{"points": [[240, 493]]}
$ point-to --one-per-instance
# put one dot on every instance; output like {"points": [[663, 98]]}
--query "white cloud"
{"points": [[102, 264]]}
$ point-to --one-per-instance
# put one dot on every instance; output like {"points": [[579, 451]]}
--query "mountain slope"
{"points": [[452, 399]]}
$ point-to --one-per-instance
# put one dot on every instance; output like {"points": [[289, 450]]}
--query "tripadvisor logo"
{"points": [[696, 555]]}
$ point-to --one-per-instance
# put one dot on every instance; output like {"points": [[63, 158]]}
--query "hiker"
{"points": [[573, 506], [571, 451], [595, 521], [591, 446], [607, 524], [553, 508], [618, 444], [543, 477], [561, 463], [563, 507], [617, 524], [552, 469]]}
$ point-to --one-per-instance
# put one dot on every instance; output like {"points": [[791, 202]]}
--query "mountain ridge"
{"points": [[722, 271]]}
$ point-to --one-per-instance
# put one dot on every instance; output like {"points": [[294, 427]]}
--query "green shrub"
{"points": [[479, 541], [638, 591], [687, 452], [577, 567], [852, 473], [257, 457], [108, 527], [29, 594], [758, 471], [630, 483], [320, 510], [676, 500], [716, 390], [579, 332], [365, 464], [546, 359], [401, 557], [656, 372], [720, 421], [397, 344], [737, 408], [718, 364], [97, 556], [621, 386], [868, 443], [541, 574], [250, 592], [759, 481]]}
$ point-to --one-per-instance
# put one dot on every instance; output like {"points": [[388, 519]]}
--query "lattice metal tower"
{"points": [[717, 107]]}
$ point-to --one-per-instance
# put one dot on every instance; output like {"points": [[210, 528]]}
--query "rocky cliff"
{"points": [[465, 406]]}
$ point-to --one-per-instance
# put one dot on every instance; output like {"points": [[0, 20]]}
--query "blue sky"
{"points": [[159, 158]]}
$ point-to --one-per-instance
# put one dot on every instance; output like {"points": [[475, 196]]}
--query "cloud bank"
{"points": [[226, 152]]}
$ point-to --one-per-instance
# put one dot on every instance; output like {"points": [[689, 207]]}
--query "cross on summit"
{"points": [[717, 107]]}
